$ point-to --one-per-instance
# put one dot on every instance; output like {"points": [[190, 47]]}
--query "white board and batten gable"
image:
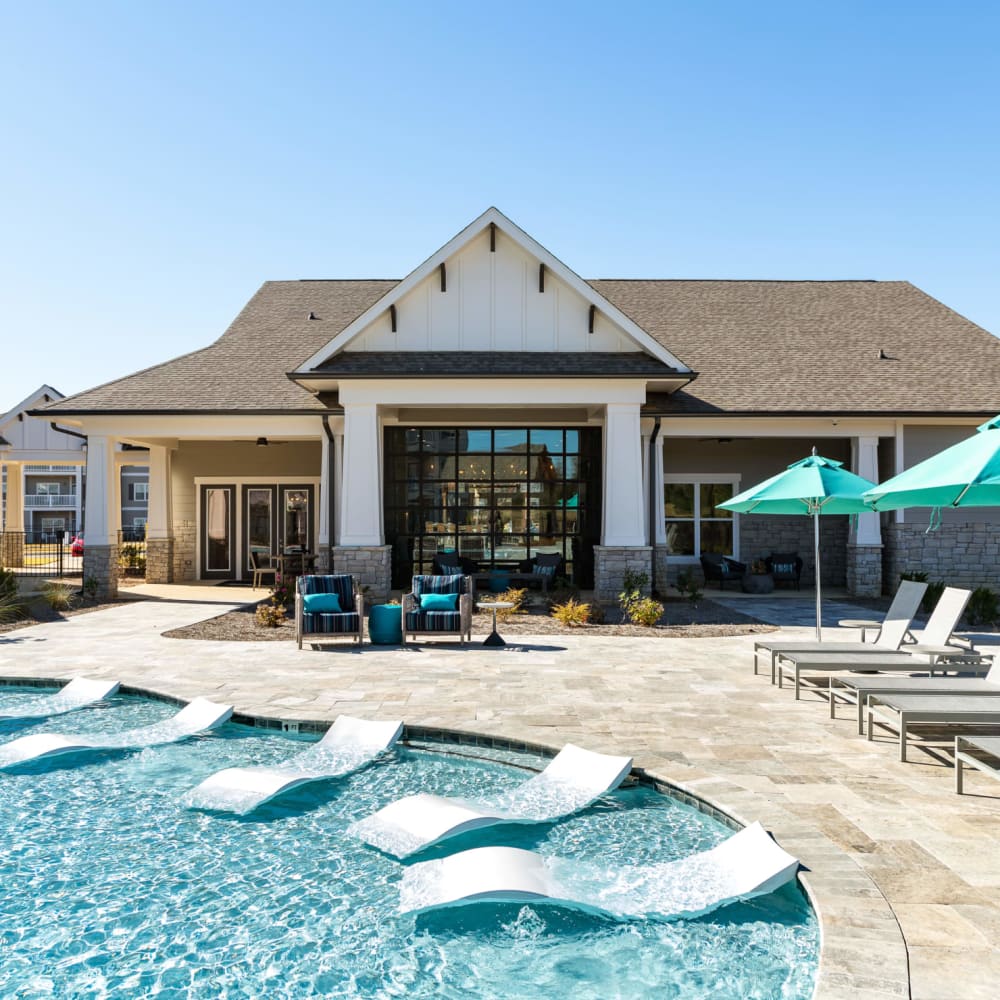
{"points": [[502, 291], [33, 439]]}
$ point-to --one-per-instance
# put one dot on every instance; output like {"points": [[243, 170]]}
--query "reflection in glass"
{"points": [[474, 441], [717, 536], [259, 521], [547, 439], [678, 499], [510, 441], [217, 502], [680, 538], [296, 518], [712, 494]]}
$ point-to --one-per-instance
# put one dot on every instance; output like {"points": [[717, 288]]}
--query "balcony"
{"points": [[35, 500]]}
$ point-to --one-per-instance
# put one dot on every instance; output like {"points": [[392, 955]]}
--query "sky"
{"points": [[161, 160]]}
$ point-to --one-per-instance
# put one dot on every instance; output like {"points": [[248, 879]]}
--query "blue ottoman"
{"points": [[385, 625]]}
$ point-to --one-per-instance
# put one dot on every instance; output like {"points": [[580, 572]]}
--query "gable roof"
{"points": [[38, 396], [758, 346], [494, 217]]}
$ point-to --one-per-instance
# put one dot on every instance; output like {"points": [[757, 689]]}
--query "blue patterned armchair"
{"points": [[421, 617], [323, 622]]}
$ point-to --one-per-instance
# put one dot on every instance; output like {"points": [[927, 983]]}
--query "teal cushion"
{"points": [[438, 602], [545, 571], [322, 604]]}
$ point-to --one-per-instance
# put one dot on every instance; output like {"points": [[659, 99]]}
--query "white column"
{"points": [[101, 517], [660, 511], [623, 500], [78, 478], [338, 488], [865, 450], [159, 522], [15, 496], [361, 504], [325, 485]]}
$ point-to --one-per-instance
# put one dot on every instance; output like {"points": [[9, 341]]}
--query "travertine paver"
{"points": [[905, 873]]}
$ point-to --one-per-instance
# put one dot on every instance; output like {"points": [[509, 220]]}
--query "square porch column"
{"points": [[360, 549], [624, 546], [864, 547], [159, 519], [101, 515], [325, 489], [12, 550]]}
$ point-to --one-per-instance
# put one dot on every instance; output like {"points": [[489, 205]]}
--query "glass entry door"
{"points": [[260, 513], [218, 532]]}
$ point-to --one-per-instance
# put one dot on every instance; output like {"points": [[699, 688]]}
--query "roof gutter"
{"points": [[66, 430]]}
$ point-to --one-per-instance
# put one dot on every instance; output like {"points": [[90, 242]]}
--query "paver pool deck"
{"points": [[904, 873]]}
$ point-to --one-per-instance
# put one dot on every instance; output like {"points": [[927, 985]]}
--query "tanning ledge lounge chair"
{"points": [[900, 711], [199, 716], [748, 864], [80, 692], [890, 636], [855, 690], [572, 780], [347, 745], [987, 745]]}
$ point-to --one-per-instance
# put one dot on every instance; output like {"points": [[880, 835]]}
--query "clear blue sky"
{"points": [[161, 160]]}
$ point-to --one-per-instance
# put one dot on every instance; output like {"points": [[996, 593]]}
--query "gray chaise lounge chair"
{"points": [[855, 690], [989, 745], [890, 636], [900, 711]]}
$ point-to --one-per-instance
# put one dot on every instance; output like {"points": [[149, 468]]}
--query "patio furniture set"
{"points": [[956, 685], [778, 567]]}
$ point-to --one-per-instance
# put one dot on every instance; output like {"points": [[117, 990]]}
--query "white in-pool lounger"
{"points": [[989, 745], [346, 746], [197, 717], [899, 711], [897, 623], [78, 693], [748, 864], [573, 779], [855, 690]]}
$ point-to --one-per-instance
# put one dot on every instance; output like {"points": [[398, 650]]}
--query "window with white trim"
{"points": [[692, 523], [49, 489]]}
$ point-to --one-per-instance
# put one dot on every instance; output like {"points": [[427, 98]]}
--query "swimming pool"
{"points": [[112, 888]]}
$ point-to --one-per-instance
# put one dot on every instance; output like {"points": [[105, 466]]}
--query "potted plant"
{"points": [[757, 580]]}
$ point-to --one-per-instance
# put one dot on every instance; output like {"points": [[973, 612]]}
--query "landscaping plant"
{"points": [[269, 615], [8, 583], [687, 584], [11, 608], [633, 584], [982, 607], [58, 596], [516, 596], [645, 611], [572, 613]]}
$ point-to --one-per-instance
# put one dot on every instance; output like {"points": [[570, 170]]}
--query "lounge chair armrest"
{"points": [[409, 602]]}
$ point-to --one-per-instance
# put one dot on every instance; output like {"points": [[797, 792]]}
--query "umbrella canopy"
{"points": [[965, 475], [814, 486]]}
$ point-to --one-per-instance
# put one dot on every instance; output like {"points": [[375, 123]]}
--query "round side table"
{"points": [[385, 625], [494, 638]]}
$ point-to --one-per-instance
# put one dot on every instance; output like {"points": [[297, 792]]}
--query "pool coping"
{"points": [[851, 910]]}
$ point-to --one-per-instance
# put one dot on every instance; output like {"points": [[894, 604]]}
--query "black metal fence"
{"points": [[132, 552], [41, 553]]}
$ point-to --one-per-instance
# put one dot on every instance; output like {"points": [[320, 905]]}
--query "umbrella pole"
{"points": [[819, 617]]}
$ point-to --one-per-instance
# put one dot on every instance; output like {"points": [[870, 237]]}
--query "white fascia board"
{"points": [[47, 456], [788, 427], [519, 236], [141, 429], [480, 392], [31, 402]]}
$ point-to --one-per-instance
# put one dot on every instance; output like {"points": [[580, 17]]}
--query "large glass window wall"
{"points": [[496, 497]]}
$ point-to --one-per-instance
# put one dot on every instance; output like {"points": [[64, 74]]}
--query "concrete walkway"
{"points": [[905, 874]]}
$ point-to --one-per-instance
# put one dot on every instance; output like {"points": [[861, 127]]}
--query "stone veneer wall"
{"points": [[185, 550], [762, 534], [610, 565], [159, 560], [370, 565], [324, 559], [960, 555], [100, 564], [864, 570]]}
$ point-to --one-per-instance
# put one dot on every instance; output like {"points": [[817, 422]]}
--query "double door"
{"points": [[265, 519]]}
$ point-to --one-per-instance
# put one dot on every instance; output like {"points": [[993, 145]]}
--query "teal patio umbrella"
{"points": [[965, 475], [814, 486]]}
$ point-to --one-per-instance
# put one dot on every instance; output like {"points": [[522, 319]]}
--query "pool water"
{"points": [[109, 887]]}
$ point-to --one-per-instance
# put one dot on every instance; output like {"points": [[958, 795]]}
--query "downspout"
{"points": [[652, 505], [331, 466]]}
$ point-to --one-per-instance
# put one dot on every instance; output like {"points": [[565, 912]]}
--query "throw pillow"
{"points": [[545, 571], [322, 604], [438, 602]]}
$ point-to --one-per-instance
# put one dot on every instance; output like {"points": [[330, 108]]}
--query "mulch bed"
{"points": [[680, 619]]}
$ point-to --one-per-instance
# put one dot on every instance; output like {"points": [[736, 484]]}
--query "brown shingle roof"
{"points": [[758, 346]]}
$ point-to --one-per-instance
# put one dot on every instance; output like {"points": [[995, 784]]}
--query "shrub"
{"points": [[269, 615], [8, 583], [572, 613], [596, 616], [58, 596], [633, 584], [982, 607], [283, 591], [560, 594], [516, 596], [132, 558], [688, 585], [90, 586], [645, 612], [11, 608]]}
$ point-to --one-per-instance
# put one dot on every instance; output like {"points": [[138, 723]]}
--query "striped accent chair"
{"points": [[420, 621], [329, 626]]}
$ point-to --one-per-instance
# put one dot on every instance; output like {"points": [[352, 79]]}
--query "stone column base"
{"points": [[370, 564], [159, 560], [12, 549], [100, 571], [611, 562], [324, 559], [864, 570]]}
